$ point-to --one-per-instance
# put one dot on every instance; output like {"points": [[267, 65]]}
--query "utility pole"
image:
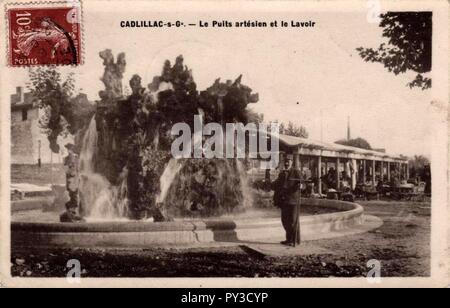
{"points": [[321, 125], [348, 128]]}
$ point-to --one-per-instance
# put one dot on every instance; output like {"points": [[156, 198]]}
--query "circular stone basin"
{"points": [[319, 218]]}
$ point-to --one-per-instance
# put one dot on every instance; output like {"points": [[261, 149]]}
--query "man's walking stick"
{"points": [[297, 234]]}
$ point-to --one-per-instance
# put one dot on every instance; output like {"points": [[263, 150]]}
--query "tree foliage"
{"points": [[293, 129], [418, 166], [357, 143], [254, 117], [54, 94], [408, 48]]}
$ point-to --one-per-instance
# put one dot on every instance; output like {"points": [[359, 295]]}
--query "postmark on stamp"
{"points": [[44, 34]]}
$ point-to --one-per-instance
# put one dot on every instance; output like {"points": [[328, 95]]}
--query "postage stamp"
{"points": [[44, 34]]}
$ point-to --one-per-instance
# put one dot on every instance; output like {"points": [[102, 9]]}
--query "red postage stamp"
{"points": [[44, 35]]}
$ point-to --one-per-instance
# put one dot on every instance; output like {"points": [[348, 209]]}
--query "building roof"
{"points": [[291, 141], [22, 100], [21, 106]]}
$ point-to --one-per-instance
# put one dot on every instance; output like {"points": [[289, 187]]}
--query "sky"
{"points": [[299, 73]]}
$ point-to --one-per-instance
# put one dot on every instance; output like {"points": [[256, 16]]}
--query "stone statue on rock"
{"points": [[71, 163], [112, 76]]}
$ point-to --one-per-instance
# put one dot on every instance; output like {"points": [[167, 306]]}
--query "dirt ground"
{"points": [[401, 245]]}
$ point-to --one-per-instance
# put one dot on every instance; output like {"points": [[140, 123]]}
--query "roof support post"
{"points": [[364, 171], [389, 171], [338, 178], [319, 174], [373, 173], [353, 174]]}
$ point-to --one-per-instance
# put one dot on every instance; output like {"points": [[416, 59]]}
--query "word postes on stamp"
{"points": [[44, 36]]}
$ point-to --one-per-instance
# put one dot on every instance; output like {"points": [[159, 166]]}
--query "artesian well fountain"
{"points": [[132, 192]]}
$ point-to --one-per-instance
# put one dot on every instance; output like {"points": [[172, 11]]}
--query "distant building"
{"points": [[28, 142]]}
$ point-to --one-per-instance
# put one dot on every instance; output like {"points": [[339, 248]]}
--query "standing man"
{"points": [[287, 197]]}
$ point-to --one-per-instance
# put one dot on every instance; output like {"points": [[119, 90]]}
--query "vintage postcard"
{"points": [[224, 144]]}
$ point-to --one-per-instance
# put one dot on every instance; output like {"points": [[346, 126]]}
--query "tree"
{"points": [[292, 129], [417, 165], [254, 117], [357, 143], [409, 44], [54, 95]]}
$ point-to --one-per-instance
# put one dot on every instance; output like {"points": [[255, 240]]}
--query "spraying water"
{"points": [[204, 187], [100, 199], [247, 194], [169, 174]]}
